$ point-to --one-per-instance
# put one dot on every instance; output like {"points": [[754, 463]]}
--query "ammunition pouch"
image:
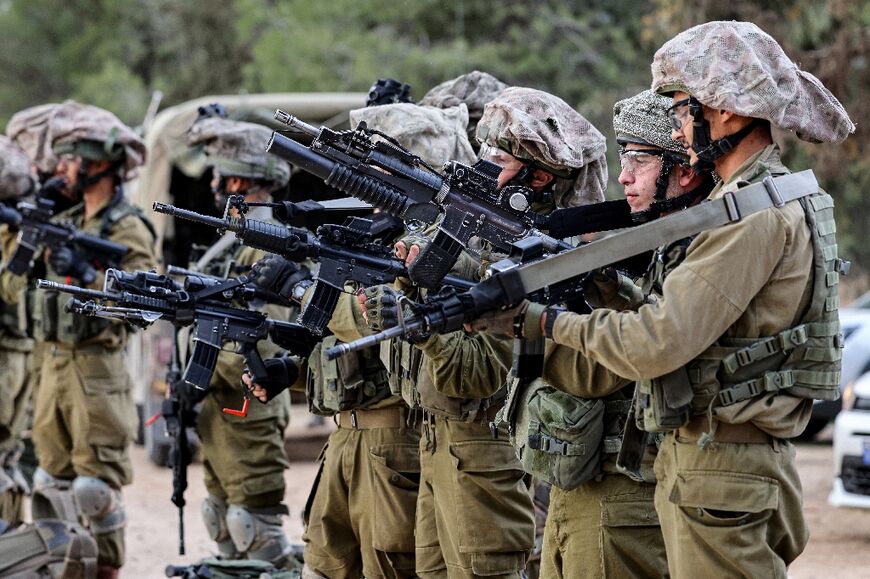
{"points": [[357, 380], [48, 549]]}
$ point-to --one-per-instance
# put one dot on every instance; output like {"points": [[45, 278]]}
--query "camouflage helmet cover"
{"points": [[643, 119], [96, 134], [238, 149], [16, 178], [31, 130], [435, 135], [536, 126], [735, 66], [474, 89]]}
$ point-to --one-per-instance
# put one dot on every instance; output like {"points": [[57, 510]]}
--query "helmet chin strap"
{"points": [[706, 148], [84, 181], [662, 204]]}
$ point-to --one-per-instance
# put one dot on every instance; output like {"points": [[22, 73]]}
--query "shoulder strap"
{"points": [[730, 208]]}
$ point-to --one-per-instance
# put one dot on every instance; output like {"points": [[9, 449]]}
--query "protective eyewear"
{"points": [[678, 112]]}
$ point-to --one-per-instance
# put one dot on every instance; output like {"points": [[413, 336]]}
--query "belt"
{"points": [[746, 432], [390, 417]]}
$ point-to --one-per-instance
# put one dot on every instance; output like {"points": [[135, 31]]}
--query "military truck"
{"points": [[175, 174]]}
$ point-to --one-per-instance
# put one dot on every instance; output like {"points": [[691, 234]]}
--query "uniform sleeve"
{"points": [[723, 270], [11, 286], [568, 370], [467, 365]]}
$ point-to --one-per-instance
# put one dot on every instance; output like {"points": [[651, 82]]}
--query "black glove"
{"points": [[62, 260], [382, 307], [275, 274], [281, 373]]}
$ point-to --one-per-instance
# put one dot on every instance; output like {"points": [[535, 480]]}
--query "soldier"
{"points": [[361, 513], [84, 417], [463, 466], [244, 457], [473, 89], [608, 527], [16, 181], [727, 365]]}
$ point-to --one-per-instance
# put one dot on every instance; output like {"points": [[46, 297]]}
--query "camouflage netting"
{"points": [[536, 126], [474, 90], [16, 178], [737, 67], [238, 149], [435, 135], [96, 134], [643, 119], [30, 129]]}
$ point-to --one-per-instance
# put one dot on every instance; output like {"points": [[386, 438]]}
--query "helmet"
{"points": [[542, 129], [238, 149], [16, 178], [735, 66], [30, 129], [435, 135], [95, 134], [473, 89]]}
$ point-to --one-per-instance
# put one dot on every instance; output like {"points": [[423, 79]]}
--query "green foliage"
{"points": [[590, 52]]}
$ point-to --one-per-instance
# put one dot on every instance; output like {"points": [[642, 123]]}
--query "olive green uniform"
{"points": [[731, 506], [474, 515], [359, 521], [15, 348], [244, 457], [84, 415]]}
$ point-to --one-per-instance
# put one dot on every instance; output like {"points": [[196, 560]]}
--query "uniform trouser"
{"points": [[84, 419], [14, 397], [731, 510], [474, 514], [360, 515], [244, 457], [603, 528]]}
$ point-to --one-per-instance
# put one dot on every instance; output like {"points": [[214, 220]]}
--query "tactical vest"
{"points": [[802, 361], [351, 382], [409, 378], [48, 549], [51, 323]]}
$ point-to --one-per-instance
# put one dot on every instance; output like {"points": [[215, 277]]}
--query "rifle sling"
{"points": [[730, 208]]}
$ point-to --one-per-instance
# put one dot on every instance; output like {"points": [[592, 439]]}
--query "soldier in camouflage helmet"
{"points": [[473, 89], [607, 526], [244, 506], [541, 141], [727, 365], [84, 416], [16, 181]]}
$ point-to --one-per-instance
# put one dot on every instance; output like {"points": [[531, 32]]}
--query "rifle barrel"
{"points": [[74, 290], [174, 211], [296, 123]]}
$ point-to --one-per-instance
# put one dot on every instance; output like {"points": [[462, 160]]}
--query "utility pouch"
{"points": [[557, 436], [664, 403]]}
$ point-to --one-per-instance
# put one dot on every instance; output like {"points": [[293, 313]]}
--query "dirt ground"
{"points": [[839, 546]]}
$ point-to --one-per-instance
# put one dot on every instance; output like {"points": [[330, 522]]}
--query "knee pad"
{"points": [[100, 504], [214, 515], [52, 498], [258, 535]]}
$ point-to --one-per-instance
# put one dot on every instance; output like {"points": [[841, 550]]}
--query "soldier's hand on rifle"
{"points": [[276, 274], [282, 372], [62, 260], [409, 247], [501, 323], [380, 307]]}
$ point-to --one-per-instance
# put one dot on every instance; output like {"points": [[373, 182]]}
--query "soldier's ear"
{"points": [[687, 178], [541, 178]]}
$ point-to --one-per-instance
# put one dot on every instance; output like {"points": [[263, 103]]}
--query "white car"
{"points": [[852, 447]]}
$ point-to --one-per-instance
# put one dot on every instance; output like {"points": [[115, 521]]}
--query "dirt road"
{"points": [[839, 546]]}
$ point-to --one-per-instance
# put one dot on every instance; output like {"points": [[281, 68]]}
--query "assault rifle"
{"points": [[346, 252], [33, 220], [145, 297], [466, 198], [553, 279]]}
